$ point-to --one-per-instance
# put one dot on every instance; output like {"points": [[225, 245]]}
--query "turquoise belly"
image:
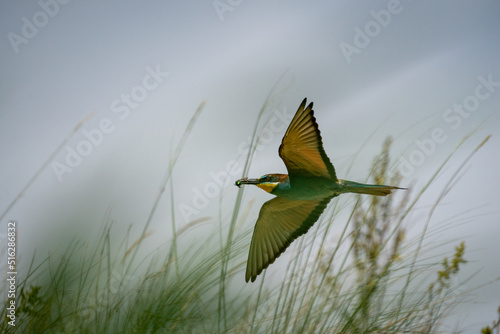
{"points": [[308, 188]]}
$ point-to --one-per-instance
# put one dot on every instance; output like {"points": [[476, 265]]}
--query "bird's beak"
{"points": [[246, 180]]}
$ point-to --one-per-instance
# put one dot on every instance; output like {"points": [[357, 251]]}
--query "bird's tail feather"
{"points": [[368, 189]]}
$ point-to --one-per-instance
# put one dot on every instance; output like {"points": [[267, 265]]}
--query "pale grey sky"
{"points": [[423, 72]]}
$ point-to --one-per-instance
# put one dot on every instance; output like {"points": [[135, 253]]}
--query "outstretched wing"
{"points": [[302, 149], [280, 222]]}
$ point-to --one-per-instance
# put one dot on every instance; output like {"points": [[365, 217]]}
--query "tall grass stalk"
{"points": [[222, 314]]}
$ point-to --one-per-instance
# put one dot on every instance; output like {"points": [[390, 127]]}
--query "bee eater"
{"points": [[302, 195]]}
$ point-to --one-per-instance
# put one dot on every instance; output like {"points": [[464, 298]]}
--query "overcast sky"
{"points": [[426, 73]]}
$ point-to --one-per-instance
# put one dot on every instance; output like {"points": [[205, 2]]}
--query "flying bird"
{"points": [[302, 195]]}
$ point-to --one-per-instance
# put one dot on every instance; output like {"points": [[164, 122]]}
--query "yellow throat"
{"points": [[268, 186]]}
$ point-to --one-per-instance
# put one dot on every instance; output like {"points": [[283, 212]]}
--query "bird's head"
{"points": [[266, 182]]}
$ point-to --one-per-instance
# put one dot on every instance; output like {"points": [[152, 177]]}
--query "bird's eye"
{"points": [[265, 178]]}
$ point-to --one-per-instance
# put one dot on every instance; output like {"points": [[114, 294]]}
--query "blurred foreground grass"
{"points": [[368, 279]]}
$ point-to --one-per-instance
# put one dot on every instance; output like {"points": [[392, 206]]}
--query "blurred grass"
{"points": [[367, 278], [495, 326]]}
